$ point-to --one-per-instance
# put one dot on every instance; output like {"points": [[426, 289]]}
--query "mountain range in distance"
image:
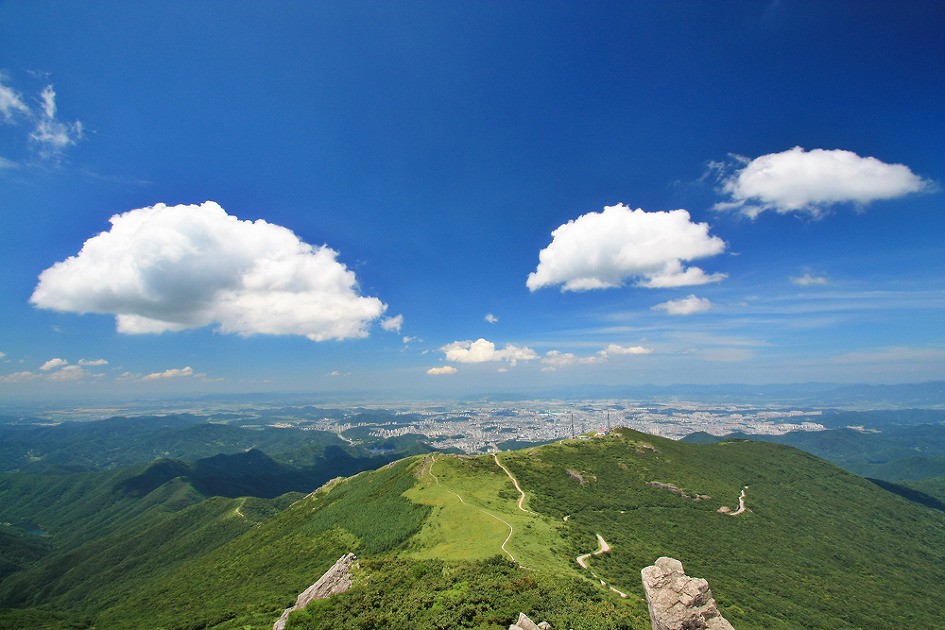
{"points": [[196, 525]]}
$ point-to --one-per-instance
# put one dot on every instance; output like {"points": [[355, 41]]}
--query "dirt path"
{"points": [[521, 493], [602, 548], [741, 503], [487, 513], [239, 509]]}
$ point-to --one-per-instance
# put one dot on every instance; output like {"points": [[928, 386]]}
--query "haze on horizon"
{"points": [[442, 199]]}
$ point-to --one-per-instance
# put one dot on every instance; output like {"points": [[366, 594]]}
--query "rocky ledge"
{"points": [[679, 602], [524, 623], [336, 580]]}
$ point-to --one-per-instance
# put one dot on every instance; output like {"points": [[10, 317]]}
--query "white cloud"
{"points": [[684, 306], [810, 181], [92, 362], [53, 364], [408, 339], [392, 324], [170, 268], [49, 134], [18, 377], [11, 103], [600, 250], [337, 373], [53, 135], [554, 359], [68, 373], [481, 351], [808, 280], [2, 354], [492, 319], [616, 350], [439, 371], [169, 374]]}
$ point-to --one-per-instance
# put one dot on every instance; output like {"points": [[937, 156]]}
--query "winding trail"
{"points": [[603, 548], [741, 503], [487, 513], [521, 498]]}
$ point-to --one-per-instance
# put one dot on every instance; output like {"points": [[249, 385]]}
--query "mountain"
{"points": [[448, 541], [897, 451], [119, 442]]}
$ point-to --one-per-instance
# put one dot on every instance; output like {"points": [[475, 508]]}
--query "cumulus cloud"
{"points": [[392, 324], [809, 182], [92, 362], [440, 371], [492, 319], [171, 268], [481, 351], [53, 364], [601, 250], [808, 280], [18, 377], [338, 373], [68, 373], [169, 374], [616, 350], [554, 359], [684, 306]]}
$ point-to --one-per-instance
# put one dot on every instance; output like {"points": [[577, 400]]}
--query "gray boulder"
{"points": [[335, 580], [679, 602]]}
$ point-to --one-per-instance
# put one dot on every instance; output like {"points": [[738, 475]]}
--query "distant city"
{"points": [[485, 427]]}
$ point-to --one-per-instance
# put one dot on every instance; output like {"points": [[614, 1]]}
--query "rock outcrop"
{"points": [[679, 602], [336, 580], [524, 623]]}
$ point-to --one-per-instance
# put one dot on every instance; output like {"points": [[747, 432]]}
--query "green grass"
{"points": [[470, 529], [933, 486], [819, 548]]}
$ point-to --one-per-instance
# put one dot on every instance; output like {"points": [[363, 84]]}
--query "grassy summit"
{"points": [[449, 541]]}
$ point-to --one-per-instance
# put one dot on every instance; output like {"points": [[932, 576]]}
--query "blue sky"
{"points": [[443, 198]]}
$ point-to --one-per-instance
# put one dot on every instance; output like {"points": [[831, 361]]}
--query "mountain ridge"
{"points": [[428, 557]]}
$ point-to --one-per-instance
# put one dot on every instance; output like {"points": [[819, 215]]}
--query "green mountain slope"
{"points": [[895, 453], [449, 541], [933, 486], [121, 442]]}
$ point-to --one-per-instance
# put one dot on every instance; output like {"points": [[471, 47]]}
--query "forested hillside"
{"points": [[449, 541]]}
